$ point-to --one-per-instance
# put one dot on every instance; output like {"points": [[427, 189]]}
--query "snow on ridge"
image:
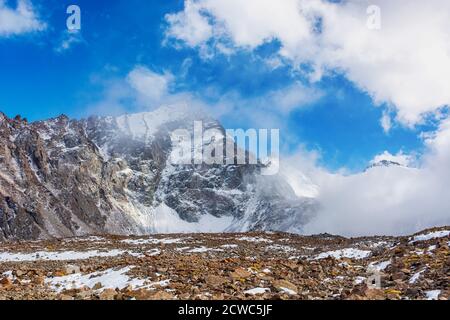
{"points": [[167, 220], [431, 235], [145, 124]]}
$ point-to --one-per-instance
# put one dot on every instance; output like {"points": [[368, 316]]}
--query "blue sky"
{"points": [[39, 81]]}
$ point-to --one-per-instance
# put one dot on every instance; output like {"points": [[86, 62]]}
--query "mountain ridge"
{"points": [[112, 175]]}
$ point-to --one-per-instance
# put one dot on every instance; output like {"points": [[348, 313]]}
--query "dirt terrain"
{"points": [[228, 266]]}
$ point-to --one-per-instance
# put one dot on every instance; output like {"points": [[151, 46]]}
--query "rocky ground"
{"points": [[228, 266]]}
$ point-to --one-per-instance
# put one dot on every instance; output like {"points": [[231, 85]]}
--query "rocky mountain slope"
{"points": [[63, 177], [262, 265]]}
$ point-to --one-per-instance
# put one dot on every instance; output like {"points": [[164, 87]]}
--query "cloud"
{"points": [[400, 158], [405, 64], [386, 122], [291, 97], [69, 40], [145, 89], [383, 200], [139, 90], [190, 26], [150, 86], [19, 20]]}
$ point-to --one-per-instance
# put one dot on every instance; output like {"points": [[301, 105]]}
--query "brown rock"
{"points": [[39, 280], [71, 269], [65, 297], [107, 294], [215, 281], [162, 269], [374, 294], [162, 295], [97, 286], [240, 273], [398, 276], [6, 282], [284, 284], [19, 273], [83, 295]]}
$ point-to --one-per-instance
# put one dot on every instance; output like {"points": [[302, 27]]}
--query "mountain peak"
{"points": [[384, 164], [148, 122], [114, 175]]}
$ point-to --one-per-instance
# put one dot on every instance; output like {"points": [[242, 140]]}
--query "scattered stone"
{"points": [[240, 273], [19, 273], [97, 286], [71, 269], [6, 282], [215, 281], [107, 294], [65, 297], [285, 285], [229, 274]]}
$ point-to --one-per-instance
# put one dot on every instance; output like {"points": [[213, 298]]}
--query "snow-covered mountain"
{"points": [[64, 177], [384, 164]]}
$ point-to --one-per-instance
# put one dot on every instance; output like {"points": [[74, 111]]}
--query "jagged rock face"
{"points": [[65, 177]]}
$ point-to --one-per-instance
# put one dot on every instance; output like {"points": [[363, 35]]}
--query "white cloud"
{"points": [[145, 89], [386, 122], [19, 20], [292, 97], [141, 89], [405, 64], [69, 40], [400, 158], [149, 85], [384, 200], [190, 25]]}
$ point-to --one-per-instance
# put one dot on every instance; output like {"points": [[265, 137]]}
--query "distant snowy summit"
{"points": [[384, 164]]}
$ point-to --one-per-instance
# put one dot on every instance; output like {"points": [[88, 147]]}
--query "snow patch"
{"points": [[57, 256], [432, 235], [277, 247], [288, 291], [202, 250], [229, 246], [167, 220], [256, 291], [138, 242], [433, 294], [110, 279], [254, 239], [350, 253], [416, 276], [378, 266]]}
